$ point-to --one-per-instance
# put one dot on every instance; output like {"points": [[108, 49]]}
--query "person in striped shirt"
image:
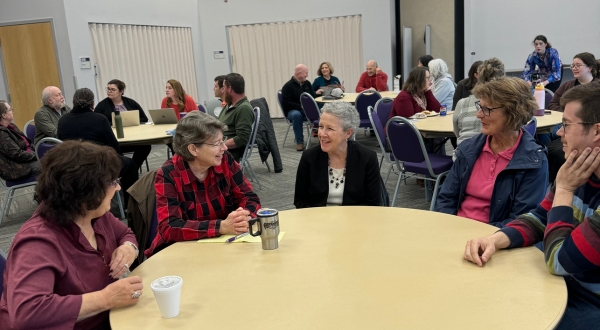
{"points": [[567, 221]]}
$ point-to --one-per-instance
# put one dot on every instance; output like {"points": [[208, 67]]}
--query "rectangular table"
{"points": [[441, 126]]}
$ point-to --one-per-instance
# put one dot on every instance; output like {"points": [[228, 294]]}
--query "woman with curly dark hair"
{"points": [[67, 265]]}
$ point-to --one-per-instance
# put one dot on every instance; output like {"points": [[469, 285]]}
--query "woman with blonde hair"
{"points": [[501, 172], [325, 78], [177, 98]]}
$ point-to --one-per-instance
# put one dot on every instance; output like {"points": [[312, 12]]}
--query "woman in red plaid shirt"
{"points": [[201, 192]]}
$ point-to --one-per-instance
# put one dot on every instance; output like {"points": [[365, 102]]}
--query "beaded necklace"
{"points": [[333, 179]]}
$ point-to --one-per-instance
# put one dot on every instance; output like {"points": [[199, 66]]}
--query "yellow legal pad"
{"points": [[245, 239]]}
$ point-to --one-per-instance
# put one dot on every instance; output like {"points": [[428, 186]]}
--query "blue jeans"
{"points": [[297, 118]]}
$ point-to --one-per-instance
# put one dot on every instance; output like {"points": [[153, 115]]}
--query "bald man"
{"points": [[46, 118], [292, 109], [373, 79]]}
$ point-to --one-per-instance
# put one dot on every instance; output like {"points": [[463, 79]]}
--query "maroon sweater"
{"points": [[49, 267], [405, 106]]}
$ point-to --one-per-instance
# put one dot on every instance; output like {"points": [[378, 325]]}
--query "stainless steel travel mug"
{"points": [[267, 221]]}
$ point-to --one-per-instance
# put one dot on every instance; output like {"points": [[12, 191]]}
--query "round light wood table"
{"points": [[145, 134], [441, 126], [351, 97], [353, 268]]}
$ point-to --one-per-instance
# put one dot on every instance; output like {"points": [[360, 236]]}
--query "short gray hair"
{"points": [[46, 93], [345, 112], [438, 69], [195, 128]]}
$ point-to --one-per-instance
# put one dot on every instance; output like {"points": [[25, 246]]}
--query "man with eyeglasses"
{"points": [[46, 117], [237, 115], [567, 221]]}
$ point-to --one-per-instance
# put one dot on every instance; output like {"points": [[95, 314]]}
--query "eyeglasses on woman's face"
{"points": [[217, 145], [111, 90], [486, 111], [577, 66]]}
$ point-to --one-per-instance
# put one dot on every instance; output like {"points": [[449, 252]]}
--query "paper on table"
{"points": [[246, 239]]}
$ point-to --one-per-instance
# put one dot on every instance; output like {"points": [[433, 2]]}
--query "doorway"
{"points": [[30, 64]]}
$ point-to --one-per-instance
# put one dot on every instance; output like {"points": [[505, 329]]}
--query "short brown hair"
{"points": [[589, 97], [416, 81], [120, 85], [74, 179], [513, 95], [195, 128], [320, 74]]}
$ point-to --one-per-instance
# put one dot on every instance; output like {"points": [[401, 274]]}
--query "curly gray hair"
{"points": [[345, 112]]}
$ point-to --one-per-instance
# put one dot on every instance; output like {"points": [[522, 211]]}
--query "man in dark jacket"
{"points": [[292, 109]]}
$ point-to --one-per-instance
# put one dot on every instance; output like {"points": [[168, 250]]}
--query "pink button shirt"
{"points": [[480, 187]]}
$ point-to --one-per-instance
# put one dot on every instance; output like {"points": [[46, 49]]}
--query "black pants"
{"points": [[140, 153], [129, 175]]}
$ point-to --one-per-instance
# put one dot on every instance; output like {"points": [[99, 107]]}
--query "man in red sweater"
{"points": [[373, 79]]}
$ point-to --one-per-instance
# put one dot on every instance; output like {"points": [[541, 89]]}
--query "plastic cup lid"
{"points": [[166, 283]]}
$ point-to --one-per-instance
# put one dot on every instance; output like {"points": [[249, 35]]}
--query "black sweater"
{"points": [[290, 93], [106, 107], [83, 123], [362, 185]]}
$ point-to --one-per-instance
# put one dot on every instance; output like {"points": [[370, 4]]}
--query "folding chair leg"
{"points": [[381, 162], [396, 191], [435, 192], [388, 173], [252, 174], [10, 195], [120, 205], [147, 166], [266, 162], [286, 134]]}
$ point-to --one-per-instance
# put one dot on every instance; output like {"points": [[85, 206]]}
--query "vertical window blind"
{"points": [[266, 54], [144, 57]]}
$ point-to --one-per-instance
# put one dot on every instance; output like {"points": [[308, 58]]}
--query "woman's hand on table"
{"points": [[480, 250], [123, 292], [236, 222]]}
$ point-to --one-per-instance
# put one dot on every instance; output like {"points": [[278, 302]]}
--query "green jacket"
{"points": [[238, 118], [46, 122]]}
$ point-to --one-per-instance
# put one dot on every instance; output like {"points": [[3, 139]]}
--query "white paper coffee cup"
{"points": [[167, 291]]}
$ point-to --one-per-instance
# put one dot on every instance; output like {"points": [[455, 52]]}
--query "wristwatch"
{"points": [[137, 252]]}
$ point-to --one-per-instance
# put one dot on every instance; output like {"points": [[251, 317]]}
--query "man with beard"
{"points": [[237, 115], [46, 118]]}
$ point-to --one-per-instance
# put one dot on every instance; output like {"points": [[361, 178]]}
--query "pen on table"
{"points": [[229, 240]]}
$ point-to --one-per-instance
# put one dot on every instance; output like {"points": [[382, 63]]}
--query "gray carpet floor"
{"points": [[277, 188]]}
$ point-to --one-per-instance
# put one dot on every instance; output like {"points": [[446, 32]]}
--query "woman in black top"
{"points": [[115, 101], [338, 171], [82, 123]]}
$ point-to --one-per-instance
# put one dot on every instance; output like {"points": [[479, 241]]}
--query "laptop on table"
{"points": [[163, 116], [129, 118]]}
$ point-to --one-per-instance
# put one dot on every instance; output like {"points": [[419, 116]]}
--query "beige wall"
{"points": [[440, 15]]}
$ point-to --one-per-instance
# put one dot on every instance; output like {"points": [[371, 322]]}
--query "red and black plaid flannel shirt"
{"points": [[189, 209]]}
